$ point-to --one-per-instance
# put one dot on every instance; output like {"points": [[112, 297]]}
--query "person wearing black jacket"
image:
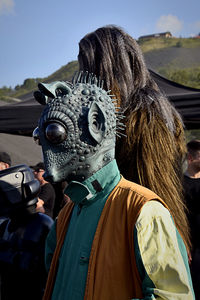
{"points": [[46, 196], [23, 232], [192, 198]]}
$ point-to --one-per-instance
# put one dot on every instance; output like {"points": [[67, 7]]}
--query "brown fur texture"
{"points": [[153, 152]]}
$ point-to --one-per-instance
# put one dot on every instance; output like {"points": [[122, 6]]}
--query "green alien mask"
{"points": [[78, 127]]}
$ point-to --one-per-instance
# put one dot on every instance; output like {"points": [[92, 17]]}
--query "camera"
{"points": [[18, 190]]}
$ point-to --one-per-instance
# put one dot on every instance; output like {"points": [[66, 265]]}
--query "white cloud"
{"points": [[6, 6], [169, 23]]}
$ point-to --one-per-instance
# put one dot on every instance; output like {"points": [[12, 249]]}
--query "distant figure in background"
{"points": [[5, 160], [22, 236], [192, 197], [46, 197]]}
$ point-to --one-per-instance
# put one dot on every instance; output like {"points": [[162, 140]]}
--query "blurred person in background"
{"points": [[46, 197], [192, 198], [5, 160]]}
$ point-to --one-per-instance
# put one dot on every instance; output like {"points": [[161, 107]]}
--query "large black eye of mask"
{"points": [[55, 133]]}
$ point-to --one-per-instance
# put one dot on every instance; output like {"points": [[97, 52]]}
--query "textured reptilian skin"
{"points": [[77, 129]]}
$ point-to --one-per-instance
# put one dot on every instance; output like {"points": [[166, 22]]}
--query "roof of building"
{"points": [[156, 35]]}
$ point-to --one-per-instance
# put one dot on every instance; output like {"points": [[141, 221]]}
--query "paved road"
{"points": [[22, 149]]}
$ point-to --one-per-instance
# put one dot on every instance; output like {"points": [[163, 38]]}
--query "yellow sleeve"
{"points": [[163, 253]]}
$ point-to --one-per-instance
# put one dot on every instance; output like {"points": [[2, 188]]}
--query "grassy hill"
{"points": [[25, 91], [173, 57], [149, 44], [178, 59], [65, 73]]}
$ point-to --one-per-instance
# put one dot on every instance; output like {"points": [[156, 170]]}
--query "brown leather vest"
{"points": [[112, 270]]}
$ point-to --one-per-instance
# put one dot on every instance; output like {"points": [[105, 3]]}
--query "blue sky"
{"points": [[38, 37]]}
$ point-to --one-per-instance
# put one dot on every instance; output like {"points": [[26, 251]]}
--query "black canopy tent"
{"points": [[185, 99], [21, 118]]}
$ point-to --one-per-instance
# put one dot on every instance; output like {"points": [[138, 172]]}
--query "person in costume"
{"points": [[115, 239], [154, 148]]}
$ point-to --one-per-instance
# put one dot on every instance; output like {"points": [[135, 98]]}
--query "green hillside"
{"points": [[25, 90], [150, 44], [178, 59]]}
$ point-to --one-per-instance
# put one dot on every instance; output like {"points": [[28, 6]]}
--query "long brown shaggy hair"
{"points": [[153, 152]]}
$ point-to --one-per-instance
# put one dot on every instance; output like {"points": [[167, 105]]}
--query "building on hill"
{"points": [[166, 34]]}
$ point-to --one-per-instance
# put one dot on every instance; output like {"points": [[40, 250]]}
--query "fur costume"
{"points": [[154, 150]]}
